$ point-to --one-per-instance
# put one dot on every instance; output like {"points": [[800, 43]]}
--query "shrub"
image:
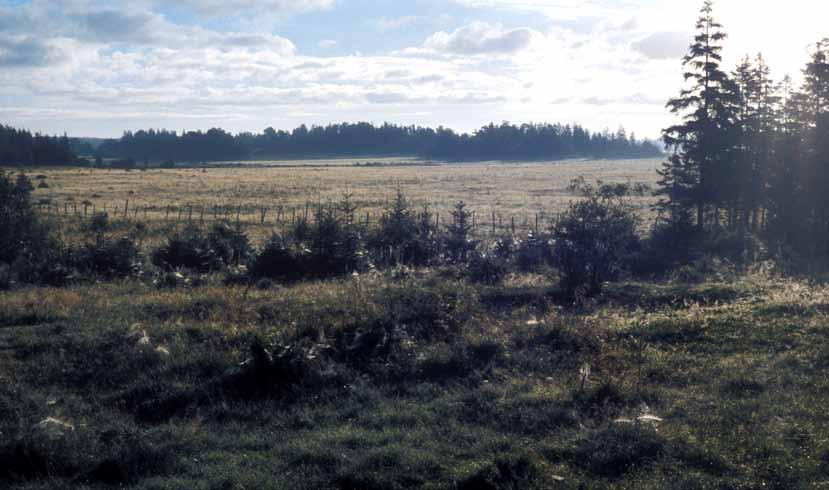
{"points": [[229, 244], [620, 449], [46, 262], [109, 259], [593, 240], [458, 242], [505, 474], [402, 237], [190, 249], [335, 246], [99, 223], [533, 253], [486, 269], [279, 262], [20, 231], [330, 247], [279, 373]]}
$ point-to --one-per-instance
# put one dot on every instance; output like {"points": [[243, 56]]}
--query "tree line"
{"points": [[750, 155], [492, 142], [21, 147]]}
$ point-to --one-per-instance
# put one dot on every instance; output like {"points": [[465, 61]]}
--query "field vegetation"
{"points": [[416, 356], [638, 329], [163, 198]]}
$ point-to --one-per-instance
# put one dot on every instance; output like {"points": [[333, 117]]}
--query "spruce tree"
{"points": [[816, 141], [698, 173]]}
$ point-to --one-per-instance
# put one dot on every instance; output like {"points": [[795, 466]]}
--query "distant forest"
{"points": [[493, 142], [22, 147]]}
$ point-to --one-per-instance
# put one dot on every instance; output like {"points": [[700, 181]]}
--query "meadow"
{"points": [[407, 377], [511, 192]]}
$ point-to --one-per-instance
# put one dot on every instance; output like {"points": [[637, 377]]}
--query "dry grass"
{"points": [[510, 191]]}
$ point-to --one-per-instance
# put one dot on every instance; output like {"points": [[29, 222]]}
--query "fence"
{"points": [[278, 218]]}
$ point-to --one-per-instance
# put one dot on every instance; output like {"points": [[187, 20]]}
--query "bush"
{"points": [[229, 244], [505, 474], [458, 242], [190, 249], [593, 240], [109, 259], [99, 223], [46, 262], [486, 269], [403, 238], [335, 246], [620, 449], [281, 372], [20, 231], [278, 261], [328, 248], [533, 253]]}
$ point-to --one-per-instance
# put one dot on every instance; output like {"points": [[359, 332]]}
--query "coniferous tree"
{"points": [[755, 132], [785, 197], [816, 142], [697, 174]]}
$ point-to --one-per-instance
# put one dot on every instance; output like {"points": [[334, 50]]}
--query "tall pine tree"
{"points": [[698, 173]]}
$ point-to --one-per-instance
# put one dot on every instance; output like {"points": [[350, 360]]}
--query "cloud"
{"points": [[481, 38], [26, 52], [664, 45], [114, 26], [212, 8], [386, 24], [327, 43], [558, 9]]}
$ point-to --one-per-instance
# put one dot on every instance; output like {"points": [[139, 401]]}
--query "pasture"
{"points": [[507, 193]]}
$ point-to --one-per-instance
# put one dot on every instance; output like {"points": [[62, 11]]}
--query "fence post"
{"points": [[126, 208]]}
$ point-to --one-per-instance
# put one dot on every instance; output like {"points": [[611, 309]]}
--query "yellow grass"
{"points": [[510, 190]]}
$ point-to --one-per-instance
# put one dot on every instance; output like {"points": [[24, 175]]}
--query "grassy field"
{"points": [[718, 385], [517, 191], [404, 379]]}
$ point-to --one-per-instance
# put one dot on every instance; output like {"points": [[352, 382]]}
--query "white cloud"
{"points": [[237, 7], [384, 24], [664, 45], [481, 38], [327, 43]]}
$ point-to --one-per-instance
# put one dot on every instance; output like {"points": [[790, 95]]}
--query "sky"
{"points": [[96, 68]]}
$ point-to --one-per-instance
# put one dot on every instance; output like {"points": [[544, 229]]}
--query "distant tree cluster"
{"points": [[750, 155], [20, 147], [502, 142]]}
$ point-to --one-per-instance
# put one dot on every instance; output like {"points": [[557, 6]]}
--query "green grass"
{"points": [[424, 382]]}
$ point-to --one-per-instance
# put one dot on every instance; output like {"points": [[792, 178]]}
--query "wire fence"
{"points": [[280, 219]]}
